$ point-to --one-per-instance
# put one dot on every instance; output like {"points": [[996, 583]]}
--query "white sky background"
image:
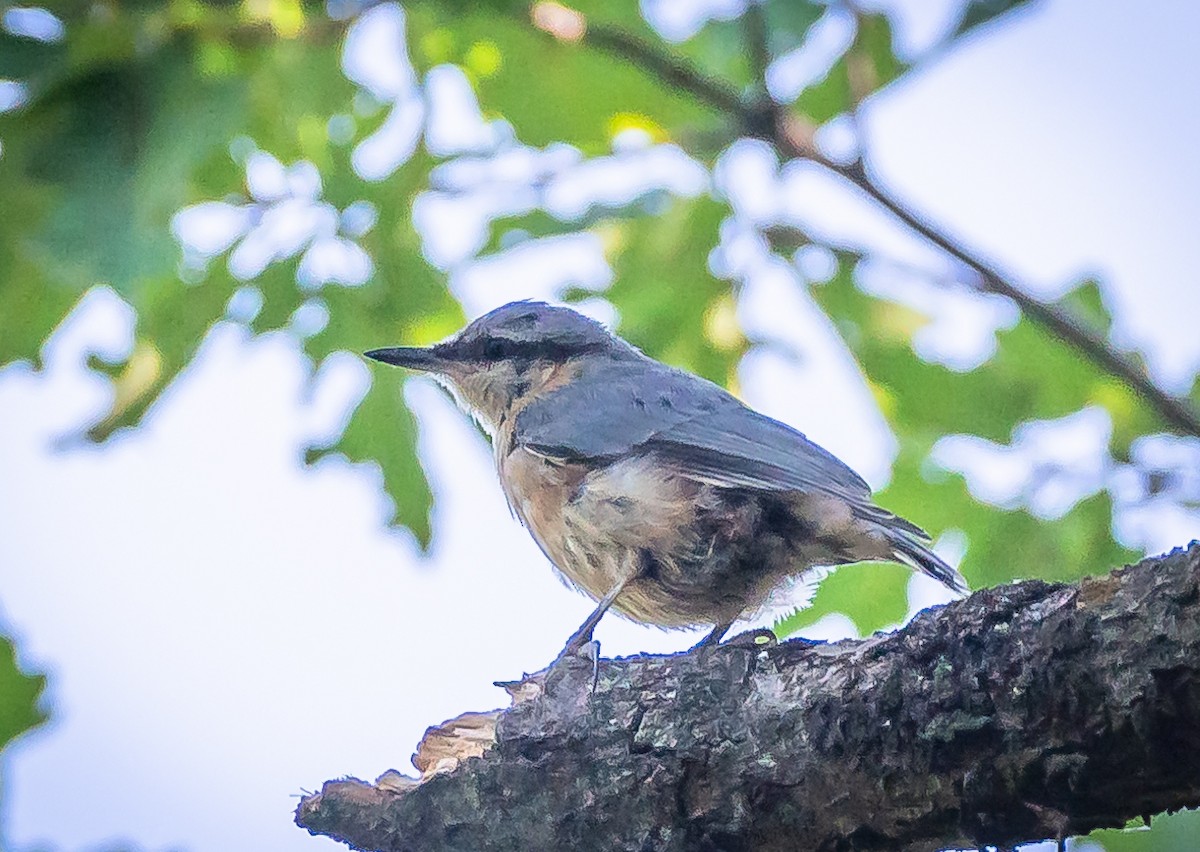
{"points": [[223, 628]]}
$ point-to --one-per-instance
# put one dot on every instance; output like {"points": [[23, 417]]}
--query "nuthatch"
{"points": [[651, 490]]}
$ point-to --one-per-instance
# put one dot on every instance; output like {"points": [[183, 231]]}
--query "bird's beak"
{"points": [[413, 357]]}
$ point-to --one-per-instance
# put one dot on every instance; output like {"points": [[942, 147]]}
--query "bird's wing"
{"points": [[705, 432], [740, 447], [611, 409]]}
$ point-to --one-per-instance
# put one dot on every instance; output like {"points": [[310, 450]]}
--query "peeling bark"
{"points": [[1024, 712]]}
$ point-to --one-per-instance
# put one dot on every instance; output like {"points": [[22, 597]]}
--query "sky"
{"points": [[223, 628]]}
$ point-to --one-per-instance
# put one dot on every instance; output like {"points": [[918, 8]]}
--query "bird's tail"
{"points": [[908, 548]]}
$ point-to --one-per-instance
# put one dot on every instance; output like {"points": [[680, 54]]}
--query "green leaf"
{"points": [[1086, 302], [29, 309], [86, 163], [874, 44], [1175, 832], [172, 319], [104, 157], [19, 693], [873, 595], [720, 51], [382, 431], [590, 95], [1032, 376], [979, 12], [27, 59], [788, 22], [405, 302], [99, 144], [91, 141], [670, 304], [867, 66]]}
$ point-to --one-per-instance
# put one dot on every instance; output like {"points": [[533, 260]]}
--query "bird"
{"points": [[655, 492]]}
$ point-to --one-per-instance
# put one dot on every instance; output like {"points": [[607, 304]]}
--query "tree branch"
{"points": [[1175, 413], [671, 69], [756, 36], [764, 119], [794, 139], [1027, 711]]}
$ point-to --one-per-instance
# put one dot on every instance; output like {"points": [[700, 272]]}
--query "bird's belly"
{"points": [[702, 555], [591, 527]]}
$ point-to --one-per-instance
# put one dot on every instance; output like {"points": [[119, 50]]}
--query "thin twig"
{"points": [[671, 69], [765, 120], [1059, 321], [756, 117], [754, 31]]}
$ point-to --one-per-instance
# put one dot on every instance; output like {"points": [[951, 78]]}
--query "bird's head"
{"points": [[509, 354]]}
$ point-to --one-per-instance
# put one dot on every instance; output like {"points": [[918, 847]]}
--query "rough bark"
{"points": [[1027, 711]]}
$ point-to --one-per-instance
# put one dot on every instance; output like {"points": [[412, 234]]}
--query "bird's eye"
{"points": [[495, 349]]}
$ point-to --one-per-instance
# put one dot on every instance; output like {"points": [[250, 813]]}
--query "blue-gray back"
{"points": [[620, 406]]}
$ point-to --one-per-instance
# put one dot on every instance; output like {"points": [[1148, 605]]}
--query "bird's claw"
{"points": [[577, 650]]}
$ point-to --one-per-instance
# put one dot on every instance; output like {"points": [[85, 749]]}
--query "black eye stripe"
{"points": [[499, 348]]}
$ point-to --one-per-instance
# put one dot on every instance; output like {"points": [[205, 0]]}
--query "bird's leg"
{"points": [[584, 634], [714, 637]]}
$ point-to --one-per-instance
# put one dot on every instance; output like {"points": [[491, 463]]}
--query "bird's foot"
{"points": [[577, 647], [581, 655]]}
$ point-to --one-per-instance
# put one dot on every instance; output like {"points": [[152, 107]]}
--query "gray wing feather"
{"points": [[744, 448], [613, 408], [623, 406]]}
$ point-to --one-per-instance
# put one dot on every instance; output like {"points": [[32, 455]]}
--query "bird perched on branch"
{"points": [[651, 490]]}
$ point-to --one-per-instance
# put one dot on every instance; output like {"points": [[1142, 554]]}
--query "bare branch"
{"points": [[756, 36], [793, 137], [1176, 413], [675, 71]]}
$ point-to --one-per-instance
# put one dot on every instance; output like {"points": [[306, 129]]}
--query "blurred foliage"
{"points": [[130, 119], [1038, 379], [867, 66], [655, 269], [137, 114], [580, 102], [144, 109], [19, 693], [1168, 833]]}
